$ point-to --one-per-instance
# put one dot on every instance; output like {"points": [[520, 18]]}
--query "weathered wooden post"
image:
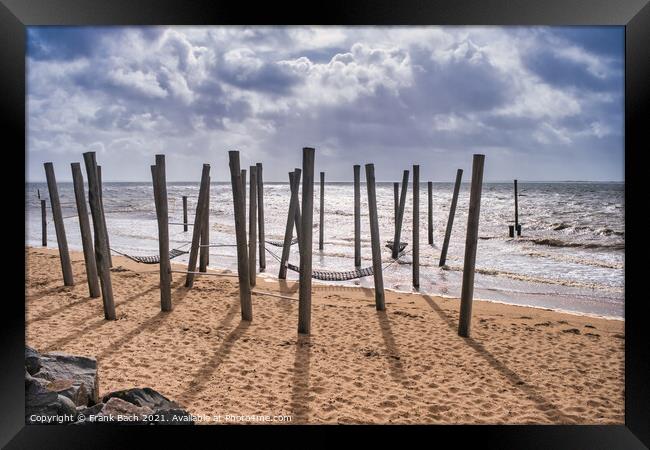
{"points": [[430, 212], [162, 214], [198, 224], [400, 214], [204, 252], [467, 292], [61, 240], [252, 226], [357, 215], [374, 238], [294, 180], [43, 224], [102, 250], [511, 231], [307, 223], [321, 227], [86, 234], [260, 217], [298, 171], [517, 227], [396, 201], [416, 226], [101, 203], [243, 186], [450, 220], [185, 213], [240, 233]]}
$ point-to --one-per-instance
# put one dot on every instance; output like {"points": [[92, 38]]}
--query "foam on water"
{"points": [[570, 256]]}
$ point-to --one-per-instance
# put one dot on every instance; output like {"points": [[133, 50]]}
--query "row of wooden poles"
{"points": [[98, 260]]}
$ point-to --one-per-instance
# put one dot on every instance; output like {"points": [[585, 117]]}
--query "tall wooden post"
{"points": [[199, 217], [396, 202], [252, 226], [517, 211], [243, 186], [416, 226], [321, 227], [307, 222], [374, 238], [61, 240], [86, 234], [43, 224], [185, 213], [162, 214], [450, 220], [101, 203], [467, 292], [204, 252], [357, 215], [260, 217], [430, 212], [294, 180], [102, 250], [400, 214], [240, 233], [298, 222]]}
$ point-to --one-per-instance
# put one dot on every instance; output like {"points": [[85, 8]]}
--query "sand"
{"points": [[405, 365]]}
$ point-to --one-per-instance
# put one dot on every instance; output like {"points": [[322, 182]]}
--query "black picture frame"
{"points": [[16, 15]]}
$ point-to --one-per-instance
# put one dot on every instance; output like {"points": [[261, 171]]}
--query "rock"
{"points": [[80, 371], [75, 391], [122, 411], [90, 410], [165, 411], [143, 397], [45, 406], [32, 360]]}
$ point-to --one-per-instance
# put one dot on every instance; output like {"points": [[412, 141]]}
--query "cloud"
{"points": [[432, 95]]}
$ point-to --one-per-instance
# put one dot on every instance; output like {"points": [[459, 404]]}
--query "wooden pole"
{"points": [[430, 212], [61, 240], [198, 222], [396, 202], [86, 234], [298, 221], [240, 232], [450, 220], [260, 217], [101, 243], [185, 213], [416, 226], [243, 186], [158, 174], [204, 252], [101, 203], [517, 211], [43, 224], [294, 180], [357, 215], [467, 292], [307, 222], [321, 227], [400, 214], [252, 226], [374, 238]]}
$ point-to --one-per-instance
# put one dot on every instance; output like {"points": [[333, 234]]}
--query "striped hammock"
{"points": [[154, 259], [327, 275], [281, 243]]}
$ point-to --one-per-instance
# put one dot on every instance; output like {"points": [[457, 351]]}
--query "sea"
{"points": [[570, 256]]}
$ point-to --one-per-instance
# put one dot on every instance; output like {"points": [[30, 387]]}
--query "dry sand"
{"points": [[404, 365]]}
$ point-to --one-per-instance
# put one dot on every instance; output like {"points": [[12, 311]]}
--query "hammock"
{"points": [[402, 245], [154, 259], [281, 243], [327, 275]]}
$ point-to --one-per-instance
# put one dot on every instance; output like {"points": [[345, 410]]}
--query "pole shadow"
{"points": [[394, 358], [300, 408], [541, 403]]}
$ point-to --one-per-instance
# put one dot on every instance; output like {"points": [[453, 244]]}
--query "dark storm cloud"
{"points": [[530, 99]]}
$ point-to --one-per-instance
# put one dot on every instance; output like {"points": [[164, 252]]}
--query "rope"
{"points": [[215, 274], [270, 294]]}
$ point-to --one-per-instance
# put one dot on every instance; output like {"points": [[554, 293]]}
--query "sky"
{"points": [[541, 103]]}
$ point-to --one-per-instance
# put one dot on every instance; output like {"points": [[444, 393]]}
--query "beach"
{"points": [[406, 365]]}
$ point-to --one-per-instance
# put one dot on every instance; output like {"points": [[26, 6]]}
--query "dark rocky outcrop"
{"points": [[61, 388]]}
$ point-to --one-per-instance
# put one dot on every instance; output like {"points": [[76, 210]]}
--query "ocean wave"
{"points": [[549, 242]]}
